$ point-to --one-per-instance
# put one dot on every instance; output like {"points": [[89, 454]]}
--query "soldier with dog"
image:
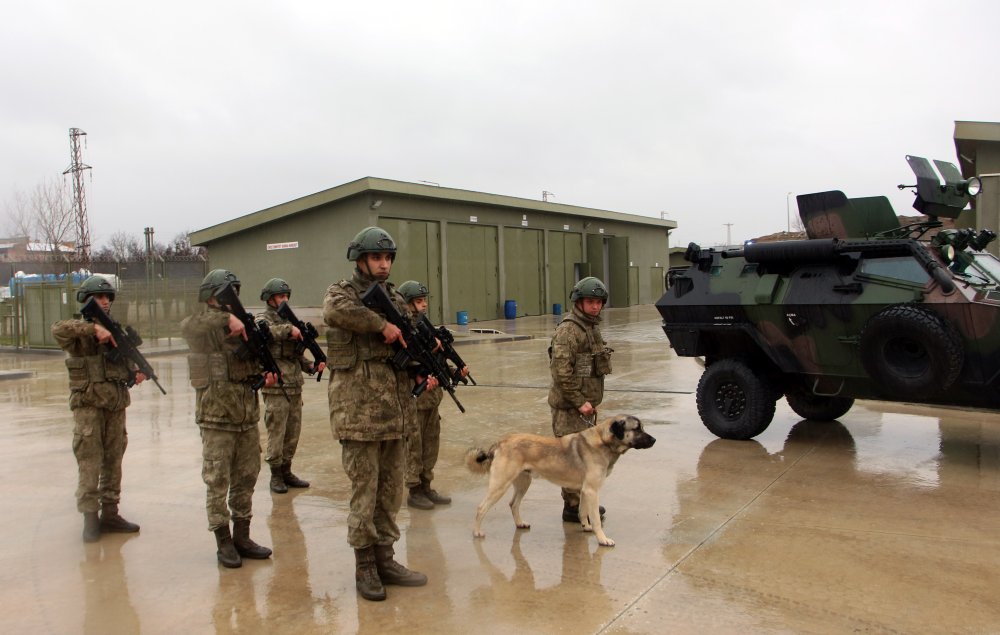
{"points": [[579, 358]]}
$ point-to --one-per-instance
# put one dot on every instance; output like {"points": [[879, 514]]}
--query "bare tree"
{"points": [[125, 246], [44, 214]]}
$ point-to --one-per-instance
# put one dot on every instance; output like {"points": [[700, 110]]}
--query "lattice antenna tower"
{"points": [[77, 167]]}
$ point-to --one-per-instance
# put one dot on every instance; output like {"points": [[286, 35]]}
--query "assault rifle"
{"points": [[258, 337], [309, 335], [447, 349], [419, 345], [127, 342]]}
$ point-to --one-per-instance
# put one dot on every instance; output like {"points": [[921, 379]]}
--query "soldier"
{"points": [[226, 412], [98, 385], [370, 407], [283, 417], [579, 358], [424, 438]]}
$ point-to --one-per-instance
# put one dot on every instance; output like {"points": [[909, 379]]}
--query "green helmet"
{"points": [[274, 286], [371, 240], [215, 281], [94, 285], [589, 287], [411, 289]]}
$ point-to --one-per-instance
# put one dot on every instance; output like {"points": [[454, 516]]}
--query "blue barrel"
{"points": [[462, 318], [510, 309], [557, 309]]}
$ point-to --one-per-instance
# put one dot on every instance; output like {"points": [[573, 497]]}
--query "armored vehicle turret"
{"points": [[863, 308]]}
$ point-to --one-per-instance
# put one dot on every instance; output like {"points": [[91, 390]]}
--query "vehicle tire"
{"points": [[733, 401], [818, 407], [910, 351]]}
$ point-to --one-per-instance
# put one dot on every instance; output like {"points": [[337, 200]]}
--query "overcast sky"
{"points": [[710, 113]]}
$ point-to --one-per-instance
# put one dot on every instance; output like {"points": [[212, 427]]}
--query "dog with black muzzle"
{"points": [[579, 461]]}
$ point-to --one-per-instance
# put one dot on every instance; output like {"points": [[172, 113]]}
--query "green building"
{"points": [[481, 254]]}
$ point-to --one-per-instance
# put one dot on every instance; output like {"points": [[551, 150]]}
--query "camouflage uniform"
{"points": [[370, 407], [579, 360], [423, 439], [283, 417], [98, 398], [227, 412]]}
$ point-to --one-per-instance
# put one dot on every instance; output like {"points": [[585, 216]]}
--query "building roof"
{"points": [[968, 134], [416, 190]]}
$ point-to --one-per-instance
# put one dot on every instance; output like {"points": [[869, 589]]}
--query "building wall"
{"points": [[473, 257]]}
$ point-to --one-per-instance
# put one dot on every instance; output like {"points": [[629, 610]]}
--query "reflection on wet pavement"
{"points": [[884, 521]]}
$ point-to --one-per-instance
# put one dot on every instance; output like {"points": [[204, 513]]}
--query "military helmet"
{"points": [[589, 287], [411, 289], [94, 285], [274, 286], [371, 240], [215, 281]]}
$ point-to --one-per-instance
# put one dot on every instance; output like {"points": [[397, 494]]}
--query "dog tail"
{"points": [[478, 460]]}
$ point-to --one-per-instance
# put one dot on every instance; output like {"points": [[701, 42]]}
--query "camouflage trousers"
{"points": [[99, 442], [376, 472], [423, 440], [230, 465], [568, 421], [283, 420]]}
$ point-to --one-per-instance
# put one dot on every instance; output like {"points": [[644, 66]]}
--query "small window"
{"points": [[902, 268]]}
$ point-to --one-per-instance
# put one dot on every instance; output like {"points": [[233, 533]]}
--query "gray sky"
{"points": [[198, 112]]}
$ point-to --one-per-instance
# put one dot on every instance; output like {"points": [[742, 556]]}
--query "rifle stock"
{"points": [[419, 345], [126, 342]]}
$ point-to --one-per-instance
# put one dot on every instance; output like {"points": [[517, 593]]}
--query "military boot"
{"points": [[418, 498], [571, 513], [244, 546], [112, 523], [227, 550], [391, 572], [290, 479], [91, 527], [433, 496], [277, 480], [366, 575]]}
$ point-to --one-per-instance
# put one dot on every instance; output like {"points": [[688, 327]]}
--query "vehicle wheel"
{"points": [[911, 351], [733, 401], [818, 407]]}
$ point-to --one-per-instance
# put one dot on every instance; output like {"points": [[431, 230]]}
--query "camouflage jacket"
{"points": [[287, 352], [94, 380], [578, 360], [428, 399], [224, 398], [369, 399]]}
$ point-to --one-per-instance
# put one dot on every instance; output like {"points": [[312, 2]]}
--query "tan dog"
{"points": [[579, 461]]}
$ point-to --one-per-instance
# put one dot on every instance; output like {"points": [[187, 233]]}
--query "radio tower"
{"points": [[79, 195]]}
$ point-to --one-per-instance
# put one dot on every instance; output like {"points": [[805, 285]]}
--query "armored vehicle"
{"points": [[863, 308]]}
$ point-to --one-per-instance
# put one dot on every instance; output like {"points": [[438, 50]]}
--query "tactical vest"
{"points": [[92, 369], [593, 363], [204, 368]]}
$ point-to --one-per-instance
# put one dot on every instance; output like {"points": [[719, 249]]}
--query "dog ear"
{"points": [[618, 428]]}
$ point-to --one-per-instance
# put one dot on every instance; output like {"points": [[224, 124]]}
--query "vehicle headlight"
{"points": [[972, 186]]}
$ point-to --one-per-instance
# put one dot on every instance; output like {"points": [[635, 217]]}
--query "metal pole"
{"points": [[788, 214]]}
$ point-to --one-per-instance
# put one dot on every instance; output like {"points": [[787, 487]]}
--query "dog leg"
{"points": [[521, 484], [591, 518], [497, 487]]}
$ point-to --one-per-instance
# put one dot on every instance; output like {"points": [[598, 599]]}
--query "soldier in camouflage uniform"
{"points": [[98, 397], [579, 358], [226, 412], [423, 440], [283, 416], [370, 407]]}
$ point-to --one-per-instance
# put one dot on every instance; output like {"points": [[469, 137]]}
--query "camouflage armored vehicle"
{"points": [[863, 308]]}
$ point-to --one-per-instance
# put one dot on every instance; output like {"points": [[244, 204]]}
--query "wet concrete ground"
{"points": [[885, 522]]}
